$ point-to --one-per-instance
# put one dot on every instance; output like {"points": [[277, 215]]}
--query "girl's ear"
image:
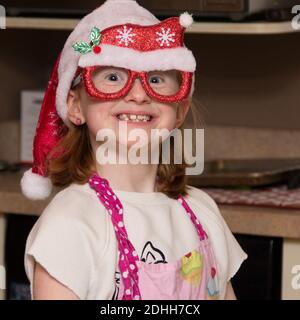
{"points": [[75, 114], [182, 110]]}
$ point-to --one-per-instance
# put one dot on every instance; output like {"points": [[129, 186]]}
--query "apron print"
{"points": [[191, 267], [150, 254]]}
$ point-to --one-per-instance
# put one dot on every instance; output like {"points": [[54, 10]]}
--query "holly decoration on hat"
{"points": [[84, 47]]}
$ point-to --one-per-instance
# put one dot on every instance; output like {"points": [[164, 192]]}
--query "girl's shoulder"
{"points": [[74, 200], [75, 190], [206, 205], [199, 196]]}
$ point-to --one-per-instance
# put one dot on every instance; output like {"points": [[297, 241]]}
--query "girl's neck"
{"points": [[130, 177]]}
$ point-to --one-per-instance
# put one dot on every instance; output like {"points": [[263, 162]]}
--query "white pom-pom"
{"points": [[186, 19], [34, 186]]}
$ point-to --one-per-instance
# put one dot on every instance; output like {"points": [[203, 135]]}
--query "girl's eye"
{"points": [[155, 79], [113, 77]]}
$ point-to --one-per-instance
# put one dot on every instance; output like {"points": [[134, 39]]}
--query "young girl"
{"points": [[122, 231]]}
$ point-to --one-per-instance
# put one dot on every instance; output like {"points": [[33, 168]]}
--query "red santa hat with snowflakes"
{"points": [[119, 33]]}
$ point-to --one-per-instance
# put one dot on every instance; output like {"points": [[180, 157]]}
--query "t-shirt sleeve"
{"points": [[228, 252], [57, 242]]}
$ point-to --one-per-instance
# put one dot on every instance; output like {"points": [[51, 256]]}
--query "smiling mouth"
{"points": [[134, 117]]}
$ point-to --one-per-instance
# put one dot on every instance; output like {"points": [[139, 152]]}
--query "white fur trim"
{"points": [[186, 19], [34, 186], [162, 59]]}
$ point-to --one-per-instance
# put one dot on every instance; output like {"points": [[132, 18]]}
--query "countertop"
{"points": [[244, 219]]}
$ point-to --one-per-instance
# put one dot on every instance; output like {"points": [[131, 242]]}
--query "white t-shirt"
{"points": [[74, 238]]}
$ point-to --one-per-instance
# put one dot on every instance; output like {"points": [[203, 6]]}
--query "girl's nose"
{"points": [[137, 93]]}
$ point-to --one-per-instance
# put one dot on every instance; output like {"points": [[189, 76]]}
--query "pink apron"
{"points": [[192, 277]]}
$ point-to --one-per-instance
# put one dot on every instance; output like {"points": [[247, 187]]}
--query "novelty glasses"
{"points": [[109, 83]]}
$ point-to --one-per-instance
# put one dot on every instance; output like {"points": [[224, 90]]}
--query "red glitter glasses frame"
{"points": [[182, 94]]}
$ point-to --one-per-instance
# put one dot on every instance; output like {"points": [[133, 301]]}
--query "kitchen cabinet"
{"points": [[259, 277], [18, 228]]}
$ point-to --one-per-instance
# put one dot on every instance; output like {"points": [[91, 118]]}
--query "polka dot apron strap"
{"points": [[127, 253], [201, 233]]}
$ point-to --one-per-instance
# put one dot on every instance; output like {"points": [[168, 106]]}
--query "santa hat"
{"points": [[119, 33]]}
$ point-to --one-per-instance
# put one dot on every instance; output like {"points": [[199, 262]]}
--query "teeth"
{"points": [[123, 117], [134, 118]]}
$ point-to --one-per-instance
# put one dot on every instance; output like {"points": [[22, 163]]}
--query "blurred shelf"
{"points": [[243, 28], [197, 27], [41, 23]]}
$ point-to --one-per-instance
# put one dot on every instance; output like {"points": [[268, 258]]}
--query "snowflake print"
{"points": [[125, 36], [53, 115], [55, 133], [55, 122], [54, 118], [165, 37]]}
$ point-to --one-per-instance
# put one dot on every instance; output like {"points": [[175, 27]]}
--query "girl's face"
{"points": [[100, 114]]}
